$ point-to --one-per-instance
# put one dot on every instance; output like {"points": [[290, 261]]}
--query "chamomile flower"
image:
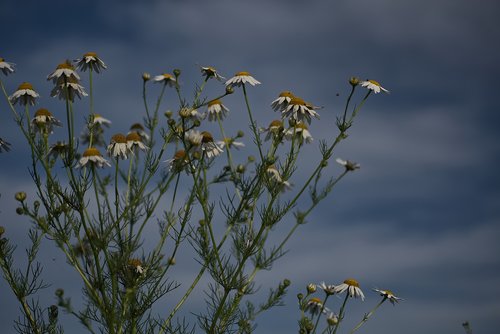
{"points": [[178, 161], [6, 67], [193, 137], [64, 71], [166, 78], [274, 130], [99, 120], [373, 86], [352, 287], [136, 266], [216, 109], [25, 94], [68, 89], [94, 157], [208, 145], [90, 60], [118, 147], [349, 165], [282, 101], [44, 122], [190, 113], [276, 177], [210, 72], [298, 110], [241, 78], [134, 142], [57, 150], [299, 131], [329, 289], [230, 142], [4, 146], [389, 295], [139, 128], [315, 306]]}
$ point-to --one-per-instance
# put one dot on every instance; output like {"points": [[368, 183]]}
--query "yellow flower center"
{"points": [[352, 282], [90, 54], [298, 101], [137, 127], [119, 138], [181, 154], [207, 137], [134, 263], [374, 82], [1, 59], [167, 76], [242, 74], [387, 293], [286, 94], [216, 101], [315, 300], [228, 140], [25, 85], [43, 112], [65, 65], [276, 124], [133, 136], [301, 126], [92, 152]]}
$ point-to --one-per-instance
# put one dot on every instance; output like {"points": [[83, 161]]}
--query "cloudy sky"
{"points": [[422, 215]]}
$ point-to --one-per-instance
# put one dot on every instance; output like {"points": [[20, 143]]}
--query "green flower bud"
{"points": [[229, 89], [240, 134], [20, 211], [168, 114], [59, 293], [20, 196], [354, 81], [286, 282], [240, 169], [300, 296], [2, 231], [177, 72], [311, 288], [146, 76]]}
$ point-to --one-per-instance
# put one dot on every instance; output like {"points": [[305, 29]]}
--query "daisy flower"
{"points": [[374, 86], [139, 128], [187, 112], [43, 121], [90, 60], [136, 266], [275, 176], [167, 79], [134, 141], [349, 165], [93, 156], [241, 78], [193, 137], [275, 129], [389, 295], [282, 101], [58, 149], [352, 286], [178, 162], [210, 72], [299, 131], [315, 306], [68, 89], [329, 289], [229, 142], [25, 94], [298, 110], [99, 120], [118, 148], [215, 108], [5, 67], [64, 71], [208, 145], [4, 146]]}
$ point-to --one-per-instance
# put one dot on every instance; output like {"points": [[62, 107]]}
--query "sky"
{"points": [[422, 215]]}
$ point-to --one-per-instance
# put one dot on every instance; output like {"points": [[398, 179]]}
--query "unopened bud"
{"points": [[286, 282], [20, 196], [354, 81], [229, 89], [177, 72], [146, 76], [240, 134], [2, 231], [168, 114], [20, 211], [240, 169], [251, 158], [300, 296], [59, 293], [311, 288]]}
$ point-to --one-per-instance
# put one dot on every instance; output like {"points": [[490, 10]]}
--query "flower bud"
{"points": [[251, 158], [286, 282], [240, 134], [177, 72], [59, 293], [146, 76], [229, 89], [2, 231], [240, 169], [171, 122], [20, 211], [300, 296], [354, 81], [168, 114], [20, 196], [196, 123], [311, 288]]}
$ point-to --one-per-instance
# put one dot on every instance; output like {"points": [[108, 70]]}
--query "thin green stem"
{"points": [[253, 124], [368, 315]]}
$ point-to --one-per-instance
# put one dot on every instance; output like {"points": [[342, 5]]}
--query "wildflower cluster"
{"points": [[95, 193]]}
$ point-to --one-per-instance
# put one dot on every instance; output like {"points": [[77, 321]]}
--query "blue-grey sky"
{"points": [[422, 215]]}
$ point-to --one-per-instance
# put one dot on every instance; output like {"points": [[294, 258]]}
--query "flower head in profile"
{"points": [[68, 89], [329, 289], [99, 120], [6, 67], [191, 113], [352, 287], [193, 137], [167, 79], [275, 130], [210, 72], [230, 142], [300, 132], [349, 165], [282, 101], [94, 157], [373, 86], [134, 142], [389, 295], [299, 110], [25, 94], [139, 128], [64, 71], [4, 146], [315, 306], [44, 122], [91, 61], [136, 266], [208, 145], [58, 150], [241, 78], [275, 177], [216, 109], [178, 161], [118, 147]]}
